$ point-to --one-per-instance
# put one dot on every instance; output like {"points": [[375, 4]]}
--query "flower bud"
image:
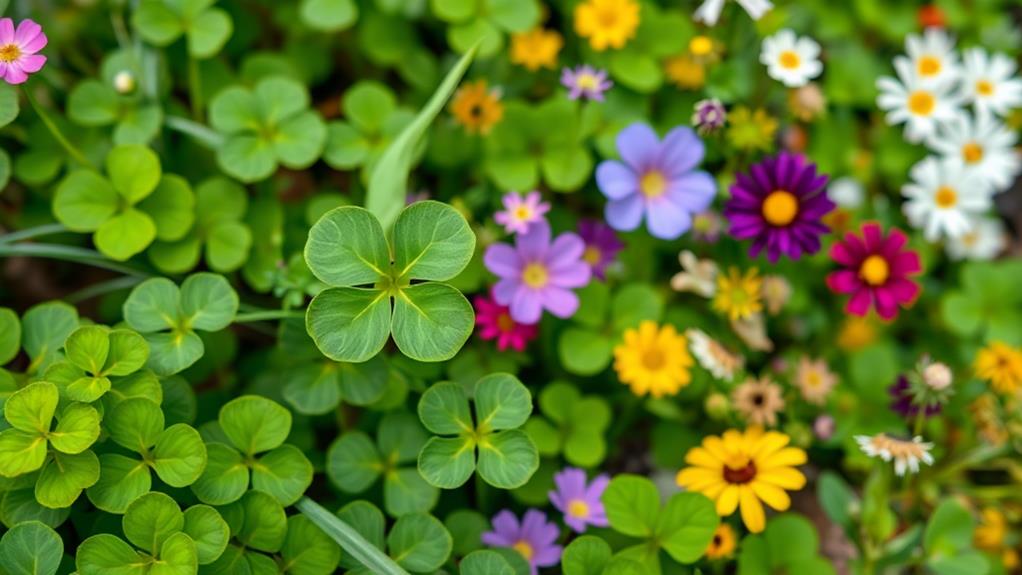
{"points": [[124, 82], [937, 376], [717, 405]]}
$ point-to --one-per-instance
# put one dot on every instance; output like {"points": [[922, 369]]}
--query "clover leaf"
{"points": [[129, 208], [661, 33], [206, 29], [988, 302], [97, 103], [683, 527], [266, 126], [538, 142], [484, 21], [429, 320], [587, 345], [947, 541], [44, 329], [31, 548], [220, 206], [354, 462], [573, 425], [255, 428], [418, 542], [590, 555], [789, 544], [507, 457], [176, 453], [30, 412], [328, 15], [95, 354], [10, 335], [373, 121], [168, 316]]}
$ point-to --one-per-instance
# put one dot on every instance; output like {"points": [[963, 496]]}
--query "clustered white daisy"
{"points": [[906, 454], [791, 60], [954, 105]]}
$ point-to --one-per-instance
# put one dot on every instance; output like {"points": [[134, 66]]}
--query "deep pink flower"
{"points": [[495, 322], [18, 49], [877, 270], [519, 213]]}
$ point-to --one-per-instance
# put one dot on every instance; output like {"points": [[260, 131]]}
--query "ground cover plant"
{"points": [[510, 287]]}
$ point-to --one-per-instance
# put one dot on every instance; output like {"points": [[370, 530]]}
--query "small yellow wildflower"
{"points": [[607, 23], [738, 295], [653, 360], [748, 130], [535, 49]]}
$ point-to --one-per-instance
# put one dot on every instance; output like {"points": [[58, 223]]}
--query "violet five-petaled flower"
{"points": [[538, 274], [779, 205], [534, 538], [580, 503], [18, 50], [657, 180]]}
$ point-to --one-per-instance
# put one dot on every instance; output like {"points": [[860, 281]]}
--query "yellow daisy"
{"points": [[856, 333], [685, 72], [607, 23], [1001, 365], [723, 543], [745, 469], [748, 130], [535, 49], [653, 360], [738, 295], [476, 107]]}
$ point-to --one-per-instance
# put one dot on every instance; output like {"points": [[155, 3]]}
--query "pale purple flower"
{"points": [[602, 246], [709, 116], [657, 180], [18, 57], [585, 81], [521, 212], [536, 274], [534, 538], [579, 502]]}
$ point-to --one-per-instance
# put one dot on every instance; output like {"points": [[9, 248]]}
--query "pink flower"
{"points": [[519, 213], [495, 322], [877, 271], [18, 49]]}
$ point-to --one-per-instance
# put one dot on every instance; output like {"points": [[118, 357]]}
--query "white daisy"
{"points": [[709, 11], [989, 82], [906, 454], [933, 55], [714, 357], [791, 60], [941, 197], [984, 144], [984, 241], [846, 192], [920, 105]]}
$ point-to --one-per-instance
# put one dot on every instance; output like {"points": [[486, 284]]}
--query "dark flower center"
{"points": [[741, 475]]}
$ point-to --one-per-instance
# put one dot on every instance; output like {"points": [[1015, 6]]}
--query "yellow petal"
{"points": [[728, 500], [769, 443], [752, 510], [787, 457], [783, 477], [698, 478], [703, 458], [771, 495], [716, 447]]}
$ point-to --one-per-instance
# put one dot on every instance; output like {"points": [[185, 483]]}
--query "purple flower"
{"points": [[521, 212], [585, 81], [709, 116], [536, 274], [902, 400], [779, 205], [602, 245], [656, 179], [580, 503], [534, 538]]}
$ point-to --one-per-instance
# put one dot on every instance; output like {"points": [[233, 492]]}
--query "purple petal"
{"points": [[681, 151], [574, 275], [548, 556], [504, 290], [6, 31], [526, 305], [532, 245], [571, 483], [693, 192], [566, 250], [666, 220], [594, 492], [503, 261], [561, 302], [639, 146], [625, 214], [27, 31], [15, 75], [616, 180]]}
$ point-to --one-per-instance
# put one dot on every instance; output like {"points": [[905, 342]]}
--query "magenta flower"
{"points": [[534, 538], [579, 502], [536, 274], [778, 205], [18, 49], [585, 81], [519, 213], [602, 246], [877, 271], [657, 179], [494, 322]]}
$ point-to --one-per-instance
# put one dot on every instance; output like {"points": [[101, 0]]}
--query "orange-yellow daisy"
{"points": [[477, 107], [738, 294], [1001, 365], [607, 23], [723, 543], [744, 470], [653, 360], [535, 49]]}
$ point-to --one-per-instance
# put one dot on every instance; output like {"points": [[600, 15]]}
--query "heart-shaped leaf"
{"points": [[31, 548]]}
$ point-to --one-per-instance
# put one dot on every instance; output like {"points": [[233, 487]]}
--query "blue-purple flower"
{"points": [[580, 502], [602, 246], [657, 180], [534, 538]]}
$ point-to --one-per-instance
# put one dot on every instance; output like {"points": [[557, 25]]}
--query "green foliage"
{"points": [[948, 542], [789, 543], [374, 120], [31, 548], [571, 424], [484, 22], [418, 542], [205, 27], [987, 303]]}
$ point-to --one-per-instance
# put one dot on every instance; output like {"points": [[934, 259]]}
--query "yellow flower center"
{"points": [[921, 103], [578, 508], [653, 184], [505, 323], [946, 197], [875, 270], [535, 275], [928, 66], [592, 255], [653, 359], [587, 81], [9, 53], [985, 87], [780, 207], [972, 153], [607, 16], [700, 46], [523, 213], [524, 549], [789, 59], [813, 379]]}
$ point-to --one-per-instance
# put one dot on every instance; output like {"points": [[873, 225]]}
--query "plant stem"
{"points": [[68, 253], [35, 232], [103, 288], [267, 315], [195, 88], [202, 134], [55, 131], [349, 539]]}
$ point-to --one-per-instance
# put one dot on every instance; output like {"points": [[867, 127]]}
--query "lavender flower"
{"points": [[585, 81], [579, 502], [602, 246], [534, 538], [521, 212]]}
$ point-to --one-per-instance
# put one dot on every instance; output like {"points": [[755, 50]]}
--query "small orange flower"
{"points": [[477, 107]]}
